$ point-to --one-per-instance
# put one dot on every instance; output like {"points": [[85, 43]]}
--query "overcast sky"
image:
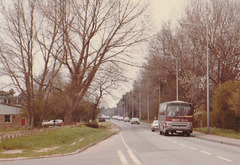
{"points": [[160, 11]]}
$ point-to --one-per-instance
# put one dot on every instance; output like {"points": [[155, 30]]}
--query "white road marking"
{"points": [[228, 160], [205, 152], [122, 158], [183, 145], [192, 148], [174, 141], [131, 154]]}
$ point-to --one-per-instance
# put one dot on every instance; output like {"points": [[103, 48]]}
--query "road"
{"points": [[137, 145]]}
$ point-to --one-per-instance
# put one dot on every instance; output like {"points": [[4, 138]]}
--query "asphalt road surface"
{"points": [[137, 145]]}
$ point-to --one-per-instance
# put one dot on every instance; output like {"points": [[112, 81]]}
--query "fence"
{"points": [[9, 135]]}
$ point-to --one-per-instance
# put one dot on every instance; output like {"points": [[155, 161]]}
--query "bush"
{"points": [[222, 115], [93, 124], [200, 119]]}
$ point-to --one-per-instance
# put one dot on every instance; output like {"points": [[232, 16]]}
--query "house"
{"points": [[11, 116]]}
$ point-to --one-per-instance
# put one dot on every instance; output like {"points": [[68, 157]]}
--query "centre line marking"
{"points": [[192, 148], [122, 158], [174, 141], [131, 154], [205, 152], [183, 145], [228, 160]]}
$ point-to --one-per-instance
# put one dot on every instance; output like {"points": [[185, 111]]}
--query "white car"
{"points": [[56, 122], [135, 120], [126, 119], [120, 118], [155, 125]]}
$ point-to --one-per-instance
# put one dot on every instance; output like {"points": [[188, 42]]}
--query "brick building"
{"points": [[10, 115]]}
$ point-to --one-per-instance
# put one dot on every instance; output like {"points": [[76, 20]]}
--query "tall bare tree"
{"points": [[95, 32], [27, 48]]}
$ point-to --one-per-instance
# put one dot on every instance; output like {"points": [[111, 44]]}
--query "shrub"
{"points": [[223, 116], [93, 124], [200, 119]]}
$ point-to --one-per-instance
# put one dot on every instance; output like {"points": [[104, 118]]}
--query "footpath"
{"points": [[215, 138]]}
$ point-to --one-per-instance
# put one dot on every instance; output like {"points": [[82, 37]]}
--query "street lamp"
{"points": [[206, 27]]}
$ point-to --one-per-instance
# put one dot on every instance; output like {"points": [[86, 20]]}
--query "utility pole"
{"points": [[132, 104], [177, 78], [139, 104], [148, 104]]}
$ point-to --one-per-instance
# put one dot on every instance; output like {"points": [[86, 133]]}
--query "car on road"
{"points": [[126, 119], [115, 117], [120, 118], [155, 125], [135, 120]]}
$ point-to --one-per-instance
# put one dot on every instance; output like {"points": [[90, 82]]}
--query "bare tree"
{"points": [[221, 18], [29, 44], [215, 20], [94, 33], [108, 79]]}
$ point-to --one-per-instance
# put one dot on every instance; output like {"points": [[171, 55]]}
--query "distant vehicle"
{"points": [[175, 117], [56, 122], [45, 123], [101, 119], [115, 117], [105, 117], [135, 120], [155, 125], [120, 118], [126, 119]]}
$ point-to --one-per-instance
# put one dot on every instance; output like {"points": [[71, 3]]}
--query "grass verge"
{"points": [[61, 141], [220, 132]]}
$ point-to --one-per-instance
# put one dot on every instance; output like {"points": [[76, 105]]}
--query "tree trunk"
{"points": [[94, 112], [68, 117], [39, 125]]}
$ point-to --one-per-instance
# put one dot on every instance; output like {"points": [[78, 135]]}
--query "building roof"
{"points": [[9, 110]]}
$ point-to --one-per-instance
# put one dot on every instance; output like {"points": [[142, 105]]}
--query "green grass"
{"points": [[220, 132], [65, 140]]}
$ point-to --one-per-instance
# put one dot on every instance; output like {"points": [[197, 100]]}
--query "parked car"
{"points": [[56, 122], [126, 119], [155, 125], [135, 120], [45, 123]]}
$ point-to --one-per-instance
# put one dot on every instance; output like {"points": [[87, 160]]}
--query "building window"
{"points": [[7, 119]]}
